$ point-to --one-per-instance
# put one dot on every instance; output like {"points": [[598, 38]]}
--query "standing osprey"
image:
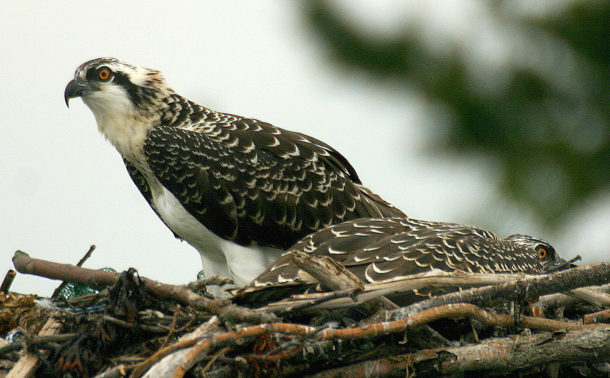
{"points": [[239, 190]]}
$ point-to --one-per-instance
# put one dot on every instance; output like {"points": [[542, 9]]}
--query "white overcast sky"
{"points": [[63, 187]]}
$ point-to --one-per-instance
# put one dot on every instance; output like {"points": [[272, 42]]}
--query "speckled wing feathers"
{"points": [[253, 183], [382, 249]]}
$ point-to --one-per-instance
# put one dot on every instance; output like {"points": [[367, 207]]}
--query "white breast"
{"points": [[218, 256]]}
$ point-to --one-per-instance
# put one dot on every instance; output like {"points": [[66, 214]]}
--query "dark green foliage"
{"points": [[549, 137]]}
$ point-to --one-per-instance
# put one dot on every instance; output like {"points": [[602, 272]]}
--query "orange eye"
{"points": [[542, 253], [104, 74]]}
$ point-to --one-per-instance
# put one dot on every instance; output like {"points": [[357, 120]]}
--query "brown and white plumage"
{"points": [[238, 189], [391, 248]]}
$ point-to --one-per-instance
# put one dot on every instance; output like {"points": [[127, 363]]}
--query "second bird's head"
{"points": [[546, 254], [110, 87]]}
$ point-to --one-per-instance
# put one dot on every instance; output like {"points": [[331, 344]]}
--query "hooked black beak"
{"points": [[75, 88], [562, 264]]}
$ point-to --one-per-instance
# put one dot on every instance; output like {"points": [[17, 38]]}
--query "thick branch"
{"points": [[520, 290], [221, 307], [499, 354], [509, 354]]}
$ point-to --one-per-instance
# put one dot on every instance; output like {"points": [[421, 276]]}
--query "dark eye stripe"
{"points": [[136, 93]]}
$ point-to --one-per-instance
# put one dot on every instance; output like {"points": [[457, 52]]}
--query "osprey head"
{"points": [[550, 259], [111, 88]]}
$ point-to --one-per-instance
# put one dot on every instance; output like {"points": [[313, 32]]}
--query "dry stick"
{"points": [[36, 340], [591, 296], [163, 360], [334, 276], [566, 300], [520, 290], [212, 280], [114, 372], [327, 271], [503, 354], [597, 317], [390, 366], [7, 281], [143, 327], [458, 310], [221, 307], [436, 278], [141, 367], [80, 263], [213, 359], [314, 301], [276, 356], [508, 354]]}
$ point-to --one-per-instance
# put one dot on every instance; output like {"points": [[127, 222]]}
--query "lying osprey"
{"points": [[387, 249], [239, 190]]}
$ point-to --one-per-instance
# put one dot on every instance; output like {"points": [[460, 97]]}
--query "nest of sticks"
{"points": [[505, 325]]}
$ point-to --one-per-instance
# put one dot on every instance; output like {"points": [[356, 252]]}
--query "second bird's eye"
{"points": [[542, 252], [103, 74]]}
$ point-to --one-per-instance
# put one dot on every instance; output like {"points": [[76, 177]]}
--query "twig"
{"points": [[283, 354], [143, 327], [303, 304], [288, 348], [9, 347], [80, 263], [334, 276], [165, 359], [7, 281], [327, 271], [86, 256], [158, 355], [213, 280], [591, 296], [520, 290], [172, 327], [214, 358], [560, 299], [221, 307], [37, 341], [118, 371], [597, 317]]}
